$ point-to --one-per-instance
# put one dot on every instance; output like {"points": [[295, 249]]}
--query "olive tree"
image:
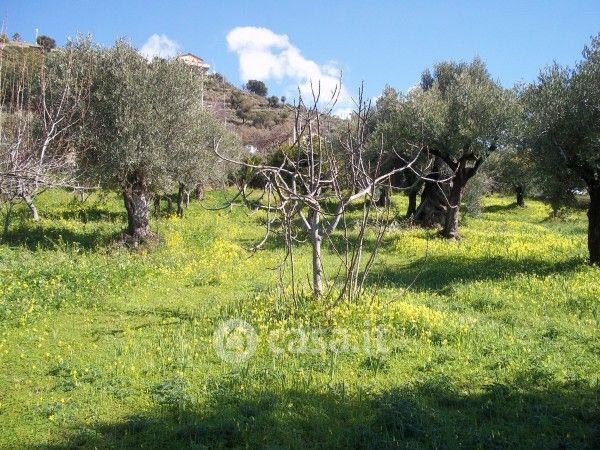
{"points": [[514, 170], [390, 128], [458, 115], [196, 166], [256, 87], [46, 42], [562, 116], [145, 120]]}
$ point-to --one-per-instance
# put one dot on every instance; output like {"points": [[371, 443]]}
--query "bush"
{"points": [[264, 119], [241, 105], [248, 175], [478, 187]]}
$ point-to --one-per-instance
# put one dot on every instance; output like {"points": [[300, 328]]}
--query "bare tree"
{"points": [[41, 105], [317, 182]]}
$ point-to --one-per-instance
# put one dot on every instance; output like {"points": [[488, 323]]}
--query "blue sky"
{"points": [[284, 42]]}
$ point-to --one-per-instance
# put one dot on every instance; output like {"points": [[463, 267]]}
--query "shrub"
{"points": [[479, 187]]}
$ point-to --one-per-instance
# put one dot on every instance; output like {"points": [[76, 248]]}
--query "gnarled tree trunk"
{"points": [[411, 210], [594, 224], [138, 212], [180, 199], [431, 212], [384, 196], [462, 174], [520, 193], [450, 230]]}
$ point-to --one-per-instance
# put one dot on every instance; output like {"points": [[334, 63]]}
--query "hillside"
{"points": [[252, 118], [258, 121]]}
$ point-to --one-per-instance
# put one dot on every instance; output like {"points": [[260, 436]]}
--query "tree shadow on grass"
{"points": [[430, 415], [89, 214], [334, 243], [57, 237], [439, 273], [501, 208]]}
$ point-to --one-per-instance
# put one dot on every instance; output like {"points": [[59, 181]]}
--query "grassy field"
{"points": [[488, 342]]}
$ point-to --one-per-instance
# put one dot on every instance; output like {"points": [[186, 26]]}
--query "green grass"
{"points": [[489, 342]]}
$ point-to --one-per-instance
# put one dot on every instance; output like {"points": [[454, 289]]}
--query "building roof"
{"points": [[194, 61], [18, 44], [193, 56]]}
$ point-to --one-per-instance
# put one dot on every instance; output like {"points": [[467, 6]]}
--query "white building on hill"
{"points": [[194, 61]]}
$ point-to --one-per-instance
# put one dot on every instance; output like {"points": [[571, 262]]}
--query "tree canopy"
{"points": [[455, 118], [146, 130], [257, 87], [459, 115], [562, 120], [46, 42]]}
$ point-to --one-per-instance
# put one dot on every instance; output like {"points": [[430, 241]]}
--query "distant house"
{"points": [[18, 44], [194, 61]]}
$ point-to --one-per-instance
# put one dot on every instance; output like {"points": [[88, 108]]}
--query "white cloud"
{"points": [[264, 55], [159, 45], [343, 113]]}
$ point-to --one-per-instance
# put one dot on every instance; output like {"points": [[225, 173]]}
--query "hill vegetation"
{"points": [[257, 120]]}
